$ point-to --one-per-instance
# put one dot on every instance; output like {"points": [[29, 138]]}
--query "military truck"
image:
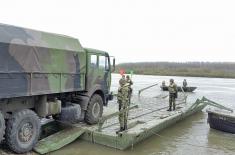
{"points": [[43, 75]]}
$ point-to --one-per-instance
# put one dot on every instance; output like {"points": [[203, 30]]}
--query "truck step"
{"points": [[58, 140]]}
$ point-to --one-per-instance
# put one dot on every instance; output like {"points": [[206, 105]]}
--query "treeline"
{"points": [[196, 69]]}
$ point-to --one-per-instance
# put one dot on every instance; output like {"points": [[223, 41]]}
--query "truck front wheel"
{"points": [[23, 129], [94, 109]]}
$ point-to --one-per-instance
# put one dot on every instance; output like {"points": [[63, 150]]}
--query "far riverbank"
{"points": [[189, 69]]}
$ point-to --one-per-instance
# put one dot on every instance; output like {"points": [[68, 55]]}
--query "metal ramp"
{"points": [[58, 140], [213, 104]]}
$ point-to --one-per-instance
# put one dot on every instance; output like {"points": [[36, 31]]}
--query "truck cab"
{"points": [[98, 76], [97, 84]]}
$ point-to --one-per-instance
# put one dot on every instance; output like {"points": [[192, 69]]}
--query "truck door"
{"points": [[99, 74]]}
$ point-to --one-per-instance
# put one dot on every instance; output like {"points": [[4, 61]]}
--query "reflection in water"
{"points": [[191, 136], [221, 140]]}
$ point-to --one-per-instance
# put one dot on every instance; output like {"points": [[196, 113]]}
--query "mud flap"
{"points": [[83, 101]]}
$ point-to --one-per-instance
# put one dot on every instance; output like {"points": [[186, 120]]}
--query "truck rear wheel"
{"points": [[23, 130], [2, 126], [94, 109]]}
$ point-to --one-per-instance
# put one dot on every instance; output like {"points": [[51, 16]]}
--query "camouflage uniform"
{"points": [[172, 94], [185, 83], [123, 98], [122, 80], [130, 82]]}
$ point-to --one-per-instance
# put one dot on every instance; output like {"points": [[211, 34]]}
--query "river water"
{"points": [[188, 137]]}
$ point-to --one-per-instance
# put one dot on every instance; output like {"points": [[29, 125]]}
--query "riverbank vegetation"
{"points": [[195, 69]]}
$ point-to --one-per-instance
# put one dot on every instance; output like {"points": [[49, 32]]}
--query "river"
{"points": [[190, 136]]}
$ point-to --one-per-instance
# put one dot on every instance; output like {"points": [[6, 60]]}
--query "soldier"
{"points": [[163, 83], [172, 94], [123, 99], [122, 79], [185, 83], [130, 82]]}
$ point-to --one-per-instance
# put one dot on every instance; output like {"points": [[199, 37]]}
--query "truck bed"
{"points": [[35, 63]]}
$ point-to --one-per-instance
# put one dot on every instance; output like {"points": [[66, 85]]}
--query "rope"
{"points": [[168, 138]]}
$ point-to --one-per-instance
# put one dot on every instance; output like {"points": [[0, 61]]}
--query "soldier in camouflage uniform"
{"points": [[172, 94], [130, 82], [123, 99], [122, 79], [185, 83], [163, 83]]}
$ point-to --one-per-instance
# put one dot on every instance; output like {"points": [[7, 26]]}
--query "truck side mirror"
{"points": [[113, 67]]}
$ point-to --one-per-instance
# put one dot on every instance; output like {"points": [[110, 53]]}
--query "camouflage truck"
{"points": [[43, 75]]}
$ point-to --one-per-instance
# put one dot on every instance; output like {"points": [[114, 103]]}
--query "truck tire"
{"points": [[2, 126], [94, 109], [23, 130], [70, 113]]}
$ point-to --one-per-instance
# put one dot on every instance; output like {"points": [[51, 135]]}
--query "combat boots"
{"points": [[121, 129], [169, 109]]}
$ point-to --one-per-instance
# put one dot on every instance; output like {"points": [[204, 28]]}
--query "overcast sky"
{"points": [[135, 30]]}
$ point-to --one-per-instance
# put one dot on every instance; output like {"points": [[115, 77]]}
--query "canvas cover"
{"points": [[34, 62]]}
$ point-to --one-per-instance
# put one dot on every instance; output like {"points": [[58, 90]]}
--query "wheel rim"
{"points": [[25, 133], [96, 110]]}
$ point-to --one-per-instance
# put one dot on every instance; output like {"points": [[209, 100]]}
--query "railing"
{"points": [[214, 104], [206, 102], [141, 90], [105, 118]]}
